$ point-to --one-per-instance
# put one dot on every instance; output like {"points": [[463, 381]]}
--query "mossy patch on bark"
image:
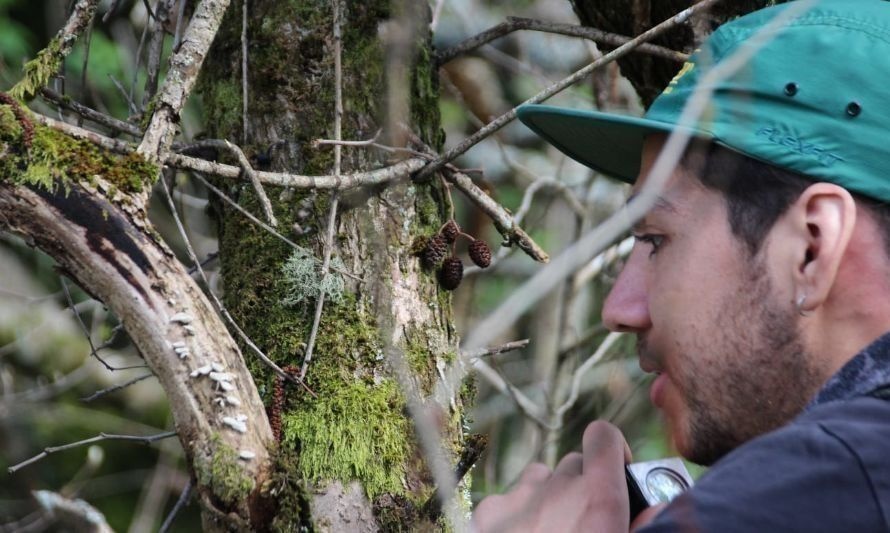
{"points": [[222, 471]]}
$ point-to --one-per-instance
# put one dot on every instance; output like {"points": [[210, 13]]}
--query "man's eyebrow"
{"points": [[661, 203]]}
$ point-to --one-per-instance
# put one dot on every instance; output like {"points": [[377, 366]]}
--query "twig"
{"points": [[180, 22], [473, 448], [185, 65], [518, 23], [617, 53], [114, 145], [244, 5], [246, 168], [100, 393], [402, 169], [147, 439], [601, 261], [90, 114], [71, 514], [494, 350], [131, 105], [369, 142], [332, 213], [183, 499], [601, 351], [220, 308], [86, 332], [155, 50], [86, 61]]}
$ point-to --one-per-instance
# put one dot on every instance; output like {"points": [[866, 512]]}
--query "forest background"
{"points": [[402, 375]]}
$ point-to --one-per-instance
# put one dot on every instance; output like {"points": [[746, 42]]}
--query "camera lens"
{"points": [[664, 484]]}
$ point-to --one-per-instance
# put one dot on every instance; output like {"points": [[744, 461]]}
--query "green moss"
{"points": [[223, 106], [223, 472], [55, 158], [39, 71], [356, 431]]}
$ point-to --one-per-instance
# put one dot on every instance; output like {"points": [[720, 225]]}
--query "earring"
{"points": [[801, 300]]}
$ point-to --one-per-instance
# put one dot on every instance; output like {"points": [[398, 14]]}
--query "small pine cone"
{"points": [[276, 407], [480, 253], [451, 274], [434, 252], [450, 231]]}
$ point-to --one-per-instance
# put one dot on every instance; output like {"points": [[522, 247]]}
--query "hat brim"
{"points": [[611, 144]]}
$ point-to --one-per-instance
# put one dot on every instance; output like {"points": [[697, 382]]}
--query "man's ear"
{"points": [[823, 219]]}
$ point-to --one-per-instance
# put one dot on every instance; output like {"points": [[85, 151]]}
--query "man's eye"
{"points": [[654, 240]]}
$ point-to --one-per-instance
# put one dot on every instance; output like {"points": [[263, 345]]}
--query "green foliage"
{"points": [[303, 281], [354, 431]]}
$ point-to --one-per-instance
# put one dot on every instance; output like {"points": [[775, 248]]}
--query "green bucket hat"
{"points": [[814, 99]]}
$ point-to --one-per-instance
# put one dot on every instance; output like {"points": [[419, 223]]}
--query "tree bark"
{"points": [[354, 442]]}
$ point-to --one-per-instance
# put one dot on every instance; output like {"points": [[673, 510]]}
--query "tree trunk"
{"points": [[352, 443]]}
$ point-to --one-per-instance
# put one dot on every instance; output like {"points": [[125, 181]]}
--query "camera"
{"points": [[653, 482]]}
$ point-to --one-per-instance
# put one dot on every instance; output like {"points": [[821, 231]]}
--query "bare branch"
{"points": [[90, 114], [601, 351], [86, 332], [72, 514], [155, 48], [617, 53], [185, 64], [246, 168], [146, 439], [495, 350], [183, 499], [401, 169], [518, 23], [104, 392], [244, 98]]}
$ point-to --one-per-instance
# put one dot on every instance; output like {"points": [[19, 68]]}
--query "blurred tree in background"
{"points": [[327, 281]]}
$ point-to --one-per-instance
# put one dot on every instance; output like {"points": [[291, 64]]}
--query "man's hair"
{"points": [[758, 193]]}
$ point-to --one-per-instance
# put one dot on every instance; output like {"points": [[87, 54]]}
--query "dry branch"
{"points": [[185, 64], [114, 255], [518, 23]]}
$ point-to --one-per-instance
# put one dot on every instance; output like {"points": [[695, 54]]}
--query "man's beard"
{"points": [[763, 377]]}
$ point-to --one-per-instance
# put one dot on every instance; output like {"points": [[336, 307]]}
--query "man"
{"points": [[758, 289]]}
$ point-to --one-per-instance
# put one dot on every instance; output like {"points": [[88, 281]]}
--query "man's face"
{"points": [[710, 321]]}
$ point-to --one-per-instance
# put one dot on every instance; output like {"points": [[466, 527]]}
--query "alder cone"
{"points": [[480, 253], [451, 274], [450, 231], [435, 251]]}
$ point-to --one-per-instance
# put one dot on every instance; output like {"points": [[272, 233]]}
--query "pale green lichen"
{"points": [[353, 432], [223, 472], [303, 281]]}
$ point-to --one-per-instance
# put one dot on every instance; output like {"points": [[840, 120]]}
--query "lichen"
{"points": [[356, 431], [222, 471], [304, 281]]}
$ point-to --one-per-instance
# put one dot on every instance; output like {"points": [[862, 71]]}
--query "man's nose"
{"points": [[627, 306]]}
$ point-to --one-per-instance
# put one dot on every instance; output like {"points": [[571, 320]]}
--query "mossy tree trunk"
{"points": [[352, 445]]}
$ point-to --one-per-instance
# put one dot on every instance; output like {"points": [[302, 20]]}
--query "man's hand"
{"points": [[586, 492]]}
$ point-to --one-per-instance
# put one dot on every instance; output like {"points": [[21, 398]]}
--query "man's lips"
{"points": [[656, 391]]}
